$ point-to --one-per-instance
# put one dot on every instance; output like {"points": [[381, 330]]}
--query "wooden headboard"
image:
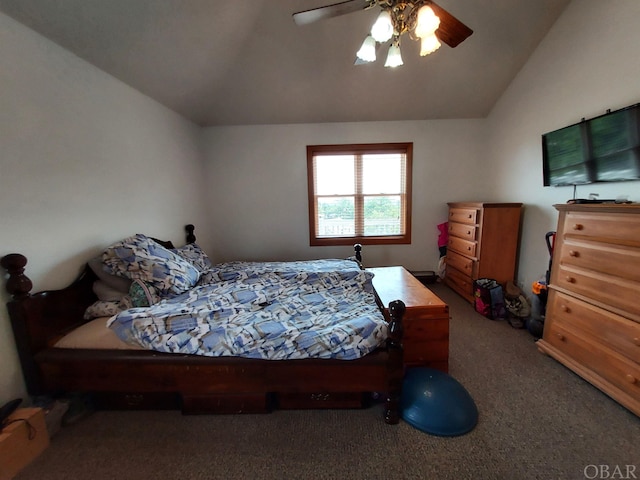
{"points": [[39, 319]]}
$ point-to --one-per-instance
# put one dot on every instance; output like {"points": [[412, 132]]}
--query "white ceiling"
{"points": [[241, 62]]}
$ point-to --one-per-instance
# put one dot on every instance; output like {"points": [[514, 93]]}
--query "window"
{"points": [[359, 193]]}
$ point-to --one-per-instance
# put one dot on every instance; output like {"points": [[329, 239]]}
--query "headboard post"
{"points": [[37, 319], [191, 238], [358, 248], [18, 284]]}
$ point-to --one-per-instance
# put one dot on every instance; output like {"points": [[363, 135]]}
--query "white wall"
{"points": [[258, 186], [85, 161], [588, 63]]}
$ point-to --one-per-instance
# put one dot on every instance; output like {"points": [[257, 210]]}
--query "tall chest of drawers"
{"points": [[483, 243], [592, 322]]}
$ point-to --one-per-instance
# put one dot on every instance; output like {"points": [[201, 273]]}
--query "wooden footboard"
{"points": [[198, 384]]}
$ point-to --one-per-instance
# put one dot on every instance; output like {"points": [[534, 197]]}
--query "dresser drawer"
{"points": [[612, 227], [460, 262], [617, 292], [618, 333], [293, 401], [463, 215], [136, 400], [617, 260], [467, 232], [460, 282], [464, 247], [614, 368]]}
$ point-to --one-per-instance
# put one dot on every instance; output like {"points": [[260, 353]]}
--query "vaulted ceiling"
{"points": [[242, 62]]}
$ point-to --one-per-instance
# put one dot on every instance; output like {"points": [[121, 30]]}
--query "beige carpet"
{"points": [[537, 421]]}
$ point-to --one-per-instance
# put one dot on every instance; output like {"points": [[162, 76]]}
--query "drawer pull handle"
{"points": [[134, 400], [468, 232], [578, 226], [636, 341], [571, 280], [565, 309], [630, 378], [574, 253], [319, 396], [560, 337]]}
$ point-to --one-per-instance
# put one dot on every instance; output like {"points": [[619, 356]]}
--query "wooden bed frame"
{"points": [[142, 379]]}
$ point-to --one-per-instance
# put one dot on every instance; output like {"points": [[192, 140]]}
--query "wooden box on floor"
{"points": [[426, 321], [22, 440]]}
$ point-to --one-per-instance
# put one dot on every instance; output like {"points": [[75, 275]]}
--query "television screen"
{"points": [[602, 149]]}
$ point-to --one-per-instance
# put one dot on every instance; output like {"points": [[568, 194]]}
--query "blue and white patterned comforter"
{"points": [[273, 310]]}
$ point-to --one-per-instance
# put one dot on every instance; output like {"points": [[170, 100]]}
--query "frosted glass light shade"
{"points": [[429, 44], [367, 52], [382, 30], [394, 57], [428, 22]]}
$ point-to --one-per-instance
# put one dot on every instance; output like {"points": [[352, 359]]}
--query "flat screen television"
{"points": [[602, 149]]}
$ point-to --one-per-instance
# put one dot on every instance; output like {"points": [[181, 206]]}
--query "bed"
{"points": [[140, 377]]}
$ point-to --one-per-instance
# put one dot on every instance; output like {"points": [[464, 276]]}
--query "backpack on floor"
{"points": [[489, 298]]}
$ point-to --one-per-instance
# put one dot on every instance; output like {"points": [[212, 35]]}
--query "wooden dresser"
{"points": [[592, 322], [483, 243], [426, 320]]}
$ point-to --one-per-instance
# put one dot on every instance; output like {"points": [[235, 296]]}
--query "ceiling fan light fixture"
{"points": [[367, 52], [429, 45], [394, 57], [427, 22], [382, 29], [421, 20]]}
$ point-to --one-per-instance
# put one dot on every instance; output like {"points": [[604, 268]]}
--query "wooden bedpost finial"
{"points": [[358, 248], [191, 238], [18, 284]]}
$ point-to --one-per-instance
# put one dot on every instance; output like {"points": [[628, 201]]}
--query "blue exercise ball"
{"points": [[436, 403]]}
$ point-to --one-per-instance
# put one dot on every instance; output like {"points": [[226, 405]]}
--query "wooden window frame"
{"points": [[360, 149]]}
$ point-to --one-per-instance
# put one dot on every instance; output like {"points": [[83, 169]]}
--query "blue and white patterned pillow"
{"points": [[140, 257], [193, 253]]}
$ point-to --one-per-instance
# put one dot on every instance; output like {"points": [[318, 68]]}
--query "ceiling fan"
{"points": [[421, 19]]}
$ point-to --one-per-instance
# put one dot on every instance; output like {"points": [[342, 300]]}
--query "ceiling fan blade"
{"points": [[328, 11], [451, 31]]}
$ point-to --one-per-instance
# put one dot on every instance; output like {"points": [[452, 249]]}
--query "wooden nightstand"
{"points": [[426, 321]]}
